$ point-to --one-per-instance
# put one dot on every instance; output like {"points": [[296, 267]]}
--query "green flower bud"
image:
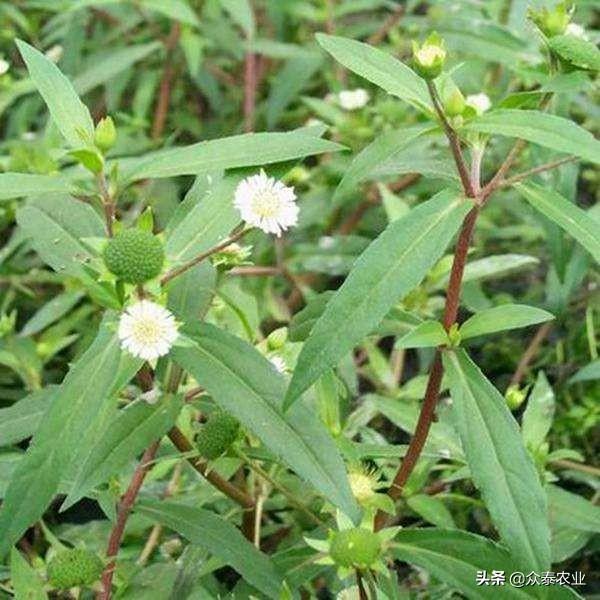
{"points": [[105, 135], [355, 548], [217, 434], [276, 339], [134, 256], [454, 103], [429, 59], [74, 568], [515, 397], [552, 22]]}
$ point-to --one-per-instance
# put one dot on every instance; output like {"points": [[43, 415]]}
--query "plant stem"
{"points": [[107, 202], [540, 335], [125, 507], [454, 140], [539, 169], [183, 444], [202, 256], [392, 20], [427, 413]]}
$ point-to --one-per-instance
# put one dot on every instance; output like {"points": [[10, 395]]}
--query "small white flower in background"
{"points": [[576, 30], [278, 363], [266, 203], [54, 53], [147, 330], [28, 136], [479, 102], [4, 66], [353, 99]]}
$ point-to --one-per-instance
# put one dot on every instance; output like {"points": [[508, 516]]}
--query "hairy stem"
{"points": [[539, 169]]}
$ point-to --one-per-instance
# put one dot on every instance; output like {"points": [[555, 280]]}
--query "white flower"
{"points": [[353, 99], [266, 203], [4, 66], [151, 396], [479, 102], [278, 363], [147, 330], [55, 53], [576, 30]]}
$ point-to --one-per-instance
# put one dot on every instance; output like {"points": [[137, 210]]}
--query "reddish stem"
{"points": [[125, 507]]}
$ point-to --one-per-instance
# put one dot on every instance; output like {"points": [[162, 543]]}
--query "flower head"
{"points": [[429, 58], [4, 66], [480, 103], [353, 99], [147, 330], [278, 363], [266, 203]]}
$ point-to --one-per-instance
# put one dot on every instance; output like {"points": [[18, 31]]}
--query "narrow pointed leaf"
{"points": [[247, 150], [213, 533], [499, 463], [387, 270], [538, 415], [78, 400], [26, 583], [501, 318], [16, 185], [425, 335], [540, 128], [68, 112], [379, 68], [125, 436], [247, 385], [565, 214]]}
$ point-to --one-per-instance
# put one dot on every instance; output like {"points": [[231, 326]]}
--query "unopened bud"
{"points": [[429, 59], [105, 135], [553, 21], [455, 103]]}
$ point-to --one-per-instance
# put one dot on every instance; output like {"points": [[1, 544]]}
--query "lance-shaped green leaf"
{"points": [[233, 152], [125, 436], [587, 373], [244, 383], [499, 463], [219, 537], [538, 415], [425, 335], [540, 128], [68, 112], [384, 148], [565, 214], [501, 318], [79, 399], [573, 510], [455, 557], [16, 185], [203, 219], [379, 68], [386, 271], [20, 420]]}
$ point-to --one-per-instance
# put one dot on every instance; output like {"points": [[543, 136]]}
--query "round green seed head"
{"points": [[74, 568], [135, 256], [217, 434], [355, 548]]}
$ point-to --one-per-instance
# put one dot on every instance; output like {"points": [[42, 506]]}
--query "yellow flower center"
{"points": [[361, 486], [427, 55], [266, 203], [147, 332]]}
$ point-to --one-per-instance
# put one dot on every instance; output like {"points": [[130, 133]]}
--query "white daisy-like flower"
{"points": [[4, 66], [266, 203], [278, 363], [353, 99], [479, 102], [151, 396], [576, 30], [147, 330]]}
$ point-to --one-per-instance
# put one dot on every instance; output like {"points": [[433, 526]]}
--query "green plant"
{"points": [[298, 358]]}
